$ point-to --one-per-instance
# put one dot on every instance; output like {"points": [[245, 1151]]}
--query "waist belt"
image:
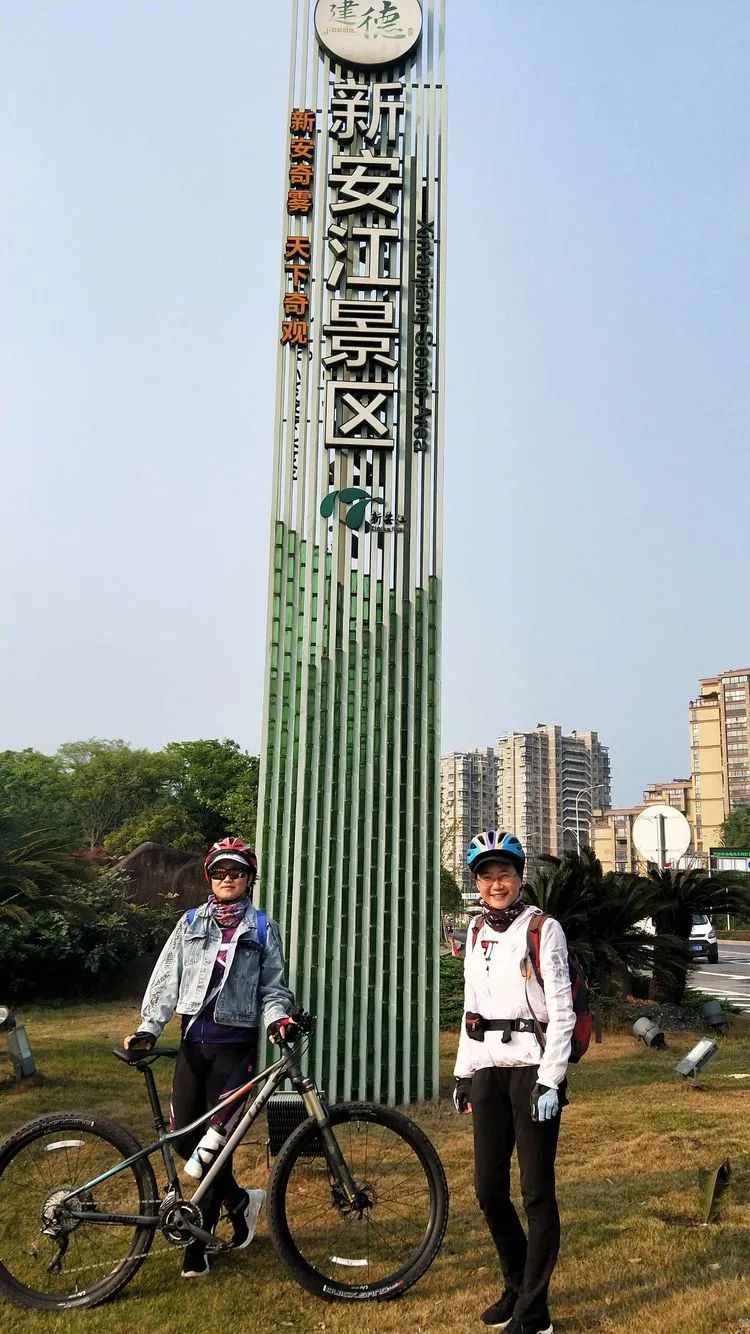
{"points": [[477, 1026]]}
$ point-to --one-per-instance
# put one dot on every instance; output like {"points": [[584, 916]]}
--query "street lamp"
{"points": [[588, 791], [18, 1044]]}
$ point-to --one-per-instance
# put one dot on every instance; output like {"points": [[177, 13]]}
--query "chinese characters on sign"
{"points": [[382, 17], [299, 202], [364, 239], [369, 33]]}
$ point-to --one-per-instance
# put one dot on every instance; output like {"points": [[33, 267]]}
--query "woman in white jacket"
{"points": [[510, 1073]]}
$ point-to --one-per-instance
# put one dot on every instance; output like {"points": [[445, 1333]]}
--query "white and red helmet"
{"points": [[231, 850]]}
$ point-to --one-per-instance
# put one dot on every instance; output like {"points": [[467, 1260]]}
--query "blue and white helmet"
{"points": [[494, 845]]}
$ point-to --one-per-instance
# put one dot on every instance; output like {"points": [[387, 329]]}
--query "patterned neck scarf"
{"points": [[227, 914], [500, 918]]}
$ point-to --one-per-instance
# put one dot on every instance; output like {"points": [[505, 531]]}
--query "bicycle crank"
{"points": [[182, 1222]]}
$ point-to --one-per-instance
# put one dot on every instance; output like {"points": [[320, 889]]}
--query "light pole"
{"points": [[594, 788]]}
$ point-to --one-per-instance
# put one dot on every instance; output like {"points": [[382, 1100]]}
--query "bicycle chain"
{"points": [[158, 1250]]}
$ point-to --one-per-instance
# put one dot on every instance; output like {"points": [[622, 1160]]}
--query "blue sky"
{"points": [[597, 535]]}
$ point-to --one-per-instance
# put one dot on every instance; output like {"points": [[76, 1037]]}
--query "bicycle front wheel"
{"points": [[48, 1259], [377, 1247]]}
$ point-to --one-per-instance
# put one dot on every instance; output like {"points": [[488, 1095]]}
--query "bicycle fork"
{"points": [[316, 1109]]}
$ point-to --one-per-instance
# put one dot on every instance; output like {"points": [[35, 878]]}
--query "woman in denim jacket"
{"points": [[221, 970]]}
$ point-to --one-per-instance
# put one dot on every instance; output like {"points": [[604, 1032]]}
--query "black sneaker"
{"points": [[524, 1327], [195, 1264], [244, 1217], [499, 1315]]}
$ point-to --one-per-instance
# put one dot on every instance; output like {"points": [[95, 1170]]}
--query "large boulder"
{"points": [[155, 871]]}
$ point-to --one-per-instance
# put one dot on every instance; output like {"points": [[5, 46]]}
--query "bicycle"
{"points": [[357, 1197]]}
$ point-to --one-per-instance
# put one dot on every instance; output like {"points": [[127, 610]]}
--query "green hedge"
{"points": [[451, 991]]}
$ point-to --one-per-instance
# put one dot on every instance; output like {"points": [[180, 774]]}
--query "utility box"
{"points": [[286, 1111]]}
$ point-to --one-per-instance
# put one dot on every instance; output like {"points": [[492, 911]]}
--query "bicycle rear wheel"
{"points": [[48, 1260], [376, 1249]]}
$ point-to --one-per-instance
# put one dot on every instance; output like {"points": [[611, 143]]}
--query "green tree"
{"points": [[166, 823], [216, 784], [676, 896], [36, 793], [601, 914], [36, 873], [735, 831], [111, 782], [450, 895]]}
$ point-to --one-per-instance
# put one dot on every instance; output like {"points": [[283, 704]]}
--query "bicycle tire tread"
{"points": [[296, 1266]]}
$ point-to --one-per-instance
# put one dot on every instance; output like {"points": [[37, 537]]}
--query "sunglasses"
{"points": [[228, 875]]}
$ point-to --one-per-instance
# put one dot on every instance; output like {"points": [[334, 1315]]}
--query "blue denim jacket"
{"points": [[254, 984]]}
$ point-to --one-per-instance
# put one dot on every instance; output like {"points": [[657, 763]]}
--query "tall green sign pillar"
{"points": [[349, 812]]}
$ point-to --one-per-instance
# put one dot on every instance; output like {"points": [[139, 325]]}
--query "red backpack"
{"points": [[579, 987]]}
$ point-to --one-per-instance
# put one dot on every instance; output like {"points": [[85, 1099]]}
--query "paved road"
{"points": [[729, 977]]}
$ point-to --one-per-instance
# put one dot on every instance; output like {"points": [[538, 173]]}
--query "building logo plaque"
{"points": [[368, 34]]}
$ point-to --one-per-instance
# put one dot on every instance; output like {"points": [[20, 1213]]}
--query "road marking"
{"points": [[711, 974]]}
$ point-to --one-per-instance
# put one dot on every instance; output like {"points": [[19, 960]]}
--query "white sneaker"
{"points": [[244, 1218], [205, 1152]]}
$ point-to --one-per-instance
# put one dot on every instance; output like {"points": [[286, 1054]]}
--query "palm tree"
{"points": [[601, 914], [37, 873], [676, 896]]}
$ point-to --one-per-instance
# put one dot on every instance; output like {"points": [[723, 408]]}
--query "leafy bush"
{"points": [[53, 955], [451, 991]]}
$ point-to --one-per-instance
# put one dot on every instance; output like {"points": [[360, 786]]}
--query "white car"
{"points": [[703, 938], [703, 942]]}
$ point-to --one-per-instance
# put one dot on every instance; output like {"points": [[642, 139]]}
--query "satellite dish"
{"points": [[661, 834]]}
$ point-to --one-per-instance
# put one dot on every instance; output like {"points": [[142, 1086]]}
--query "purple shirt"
{"points": [[204, 1027]]}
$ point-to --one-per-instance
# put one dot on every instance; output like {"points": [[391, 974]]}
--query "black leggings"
{"points": [[203, 1071], [501, 1106]]}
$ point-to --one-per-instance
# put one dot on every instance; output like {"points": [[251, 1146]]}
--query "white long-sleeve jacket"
{"points": [[494, 987]]}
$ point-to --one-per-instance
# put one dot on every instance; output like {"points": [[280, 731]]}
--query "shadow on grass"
{"points": [[611, 1299]]}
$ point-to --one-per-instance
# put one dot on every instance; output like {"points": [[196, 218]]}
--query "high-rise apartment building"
{"points": [[612, 839], [548, 782], [468, 801], [678, 792], [719, 747]]}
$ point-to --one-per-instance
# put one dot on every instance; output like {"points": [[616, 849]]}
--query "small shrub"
{"points": [[451, 991], [53, 955]]}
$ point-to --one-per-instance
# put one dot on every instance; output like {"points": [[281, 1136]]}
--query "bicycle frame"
{"points": [[269, 1079]]}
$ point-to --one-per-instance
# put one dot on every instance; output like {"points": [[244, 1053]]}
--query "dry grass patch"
{"points": [[634, 1253]]}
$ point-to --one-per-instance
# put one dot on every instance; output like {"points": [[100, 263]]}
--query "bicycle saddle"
{"points": [[142, 1054]]}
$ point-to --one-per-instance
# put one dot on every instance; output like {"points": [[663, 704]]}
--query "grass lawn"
{"points": [[634, 1253]]}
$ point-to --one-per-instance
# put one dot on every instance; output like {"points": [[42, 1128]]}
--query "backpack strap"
{"points": [[262, 924], [262, 928], [534, 944]]}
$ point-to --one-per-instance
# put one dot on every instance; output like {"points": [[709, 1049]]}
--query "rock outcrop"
{"points": [[156, 871]]}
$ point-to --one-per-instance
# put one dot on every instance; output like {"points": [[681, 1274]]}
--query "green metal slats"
{"points": [[348, 829]]}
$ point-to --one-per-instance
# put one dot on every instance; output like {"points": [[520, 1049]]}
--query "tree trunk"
{"points": [[668, 988]]}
